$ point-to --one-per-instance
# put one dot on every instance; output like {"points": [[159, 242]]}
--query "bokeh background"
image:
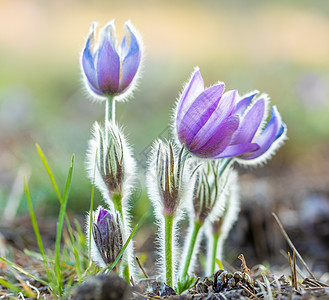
{"points": [[277, 47]]}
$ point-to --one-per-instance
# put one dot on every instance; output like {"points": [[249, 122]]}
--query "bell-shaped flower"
{"points": [[214, 124], [110, 70], [106, 237]]}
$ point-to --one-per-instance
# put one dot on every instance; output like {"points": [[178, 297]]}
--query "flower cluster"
{"points": [[192, 173]]}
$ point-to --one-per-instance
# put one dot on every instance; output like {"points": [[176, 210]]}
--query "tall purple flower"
{"points": [[214, 124], [107, 68]]}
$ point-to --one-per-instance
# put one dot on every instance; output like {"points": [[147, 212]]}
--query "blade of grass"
{"points": [[36, 230], [53, 181], [19, 269], [14, 288], [60, 224], [110, 267]]}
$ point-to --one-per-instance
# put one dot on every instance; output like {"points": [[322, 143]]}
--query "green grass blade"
{"points": [[51, 176], [219, 264], [36, 230], [110, 267], [14, 288], [60, 224], [53, 181], [19, 269]]}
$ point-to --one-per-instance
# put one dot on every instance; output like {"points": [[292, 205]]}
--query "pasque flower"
{"points": [[109, 69], [167, 181], [106, 237], [115, 166], [214, 124]]}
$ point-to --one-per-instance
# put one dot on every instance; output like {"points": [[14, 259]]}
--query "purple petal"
{"points": [[250, 123], [236, 150], [219, 140], [199, 113], [192, 90], [102, 214], [108, 62], [88, 59], [244, 102], [268, 136], [96, 91], [222, 111], [131, 57]]}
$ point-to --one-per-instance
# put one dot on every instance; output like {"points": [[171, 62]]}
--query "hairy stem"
{"points": [[169, 220], [196, 228], [117, 203], [109, 109], [214, 251]]}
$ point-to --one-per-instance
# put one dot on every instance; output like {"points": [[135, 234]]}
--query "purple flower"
{"points": [[214, 124], [107, 236], [108, 69]]}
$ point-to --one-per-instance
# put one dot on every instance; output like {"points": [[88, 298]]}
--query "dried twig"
{"points": [[249, 292], [244, 267], [132, 281], [292, 264], [141, 267], [284, 233]]}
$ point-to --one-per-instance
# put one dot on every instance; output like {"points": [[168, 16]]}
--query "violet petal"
{"points": [[250, 123], [131, 57], [244, 102], [268, 136], [199, 113], [88, 59], [108, 62], [222, 111], [219, 140], [192, 90], [236, 150]]}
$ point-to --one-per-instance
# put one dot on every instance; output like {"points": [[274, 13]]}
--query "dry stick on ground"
{"points": [[141, 267], [292, 264], [132, 281], [298, 270], [244, 267], [284, 233]]}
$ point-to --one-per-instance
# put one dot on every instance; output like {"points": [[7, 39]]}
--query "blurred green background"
{"points": [[278, 47]]}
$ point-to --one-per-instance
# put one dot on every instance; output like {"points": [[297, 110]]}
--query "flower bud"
{"points": [[114, 170], [106, 237], [110, 70], [166, 179]]}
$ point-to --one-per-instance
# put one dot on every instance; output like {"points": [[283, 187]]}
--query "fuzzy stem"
{"points": [[117, 203], [109, 109], [214, 252], [169, 221], [196, 227]]}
